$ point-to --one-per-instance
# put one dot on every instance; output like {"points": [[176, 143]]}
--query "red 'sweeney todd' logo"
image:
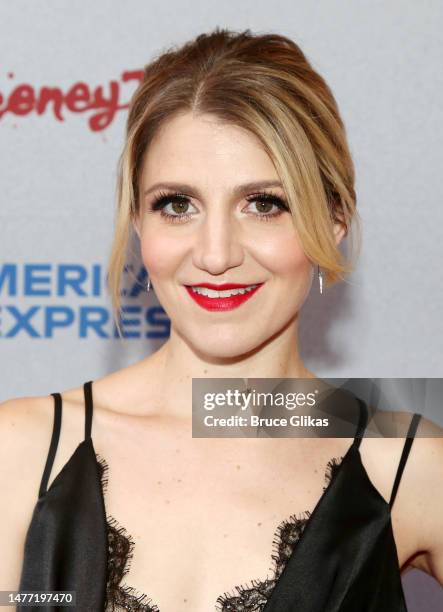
{"points": [[104, 102]]}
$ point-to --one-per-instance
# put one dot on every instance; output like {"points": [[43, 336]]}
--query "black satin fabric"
{"points": [[66, 542], [346, 559]]}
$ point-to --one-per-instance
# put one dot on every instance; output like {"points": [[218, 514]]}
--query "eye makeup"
{"points": [[163, 199]]}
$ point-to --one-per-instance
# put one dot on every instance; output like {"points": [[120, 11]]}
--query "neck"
{"points": [[177, 363]]}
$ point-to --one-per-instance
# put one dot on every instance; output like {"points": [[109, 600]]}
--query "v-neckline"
{"points": [[312, 514], [353, 450]]}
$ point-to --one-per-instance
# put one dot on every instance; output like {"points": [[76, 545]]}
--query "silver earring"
{"points": [[148, 286], [320, 278]]}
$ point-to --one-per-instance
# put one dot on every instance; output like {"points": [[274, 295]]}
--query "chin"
{"points": [[225, 346]]}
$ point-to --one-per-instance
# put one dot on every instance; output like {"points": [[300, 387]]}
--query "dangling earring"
{"points": [[148, 286], [320, 278]]}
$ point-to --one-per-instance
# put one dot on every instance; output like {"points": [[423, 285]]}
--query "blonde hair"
{"points": [[265, 84]]}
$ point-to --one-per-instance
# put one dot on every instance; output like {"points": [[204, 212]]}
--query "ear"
{"points": [[340, 232]]}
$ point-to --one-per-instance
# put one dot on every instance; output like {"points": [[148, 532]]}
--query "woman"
{"points": [[235, 171]]}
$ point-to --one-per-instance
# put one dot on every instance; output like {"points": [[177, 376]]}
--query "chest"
{"points": [[205, 519], [208, 516]]}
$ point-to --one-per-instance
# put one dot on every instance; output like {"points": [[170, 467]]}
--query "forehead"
{"points": [[205, 149]]}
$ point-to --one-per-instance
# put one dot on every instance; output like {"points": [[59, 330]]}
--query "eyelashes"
{"points": [[164, 199]]}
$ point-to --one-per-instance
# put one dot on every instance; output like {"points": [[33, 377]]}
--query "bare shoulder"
{"points": [[25, 429], [418, 505], [23, 425], [26, 425], [426, 495], [390, 424]]}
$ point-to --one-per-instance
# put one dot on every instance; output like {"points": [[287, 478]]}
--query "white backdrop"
{"points": [[383, 63]]}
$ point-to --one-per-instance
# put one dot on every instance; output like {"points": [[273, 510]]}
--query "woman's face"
{"points": [[218, 231]]}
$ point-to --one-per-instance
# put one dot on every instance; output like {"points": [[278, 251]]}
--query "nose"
{"points": [[218, 244]]}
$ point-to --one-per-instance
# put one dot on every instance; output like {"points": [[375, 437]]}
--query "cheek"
{"points": [[160, 254], [283, 255]]}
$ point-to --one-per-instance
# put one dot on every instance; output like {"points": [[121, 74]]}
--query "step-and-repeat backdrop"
{"points": [[67, 72]]}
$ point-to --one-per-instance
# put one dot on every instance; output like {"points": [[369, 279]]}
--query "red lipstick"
{"points": [[222, 303]]}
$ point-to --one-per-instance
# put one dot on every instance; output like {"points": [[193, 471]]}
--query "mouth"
{"points": [[221, 297]]}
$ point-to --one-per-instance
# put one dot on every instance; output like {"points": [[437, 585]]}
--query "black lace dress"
{"points": [[340, 557]]}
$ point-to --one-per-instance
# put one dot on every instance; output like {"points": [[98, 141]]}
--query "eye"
{"points": [[266, 202], [179, 206]]}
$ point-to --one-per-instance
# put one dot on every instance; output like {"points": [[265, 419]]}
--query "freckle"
{"points": [[167, 501], [238, 467], [225, 535], [179, 479], [258, 524], [159, 481], [185, 600]]}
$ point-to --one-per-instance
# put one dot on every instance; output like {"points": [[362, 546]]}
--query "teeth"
{"points": [[222, 294]]}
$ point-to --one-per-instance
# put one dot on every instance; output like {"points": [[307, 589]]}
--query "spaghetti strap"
{"points": [[404, 456], [87, 390], [54, 443], [362, 422]]}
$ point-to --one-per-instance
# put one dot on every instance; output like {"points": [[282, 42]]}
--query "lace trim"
{"points": [[120, 597], [246, 598], [254, 597]]}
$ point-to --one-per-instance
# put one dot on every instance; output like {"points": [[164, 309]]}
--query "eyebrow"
{"points": [[238, 190]]}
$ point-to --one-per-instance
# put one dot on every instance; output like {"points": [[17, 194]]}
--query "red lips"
{"points": [[222, 303]]}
